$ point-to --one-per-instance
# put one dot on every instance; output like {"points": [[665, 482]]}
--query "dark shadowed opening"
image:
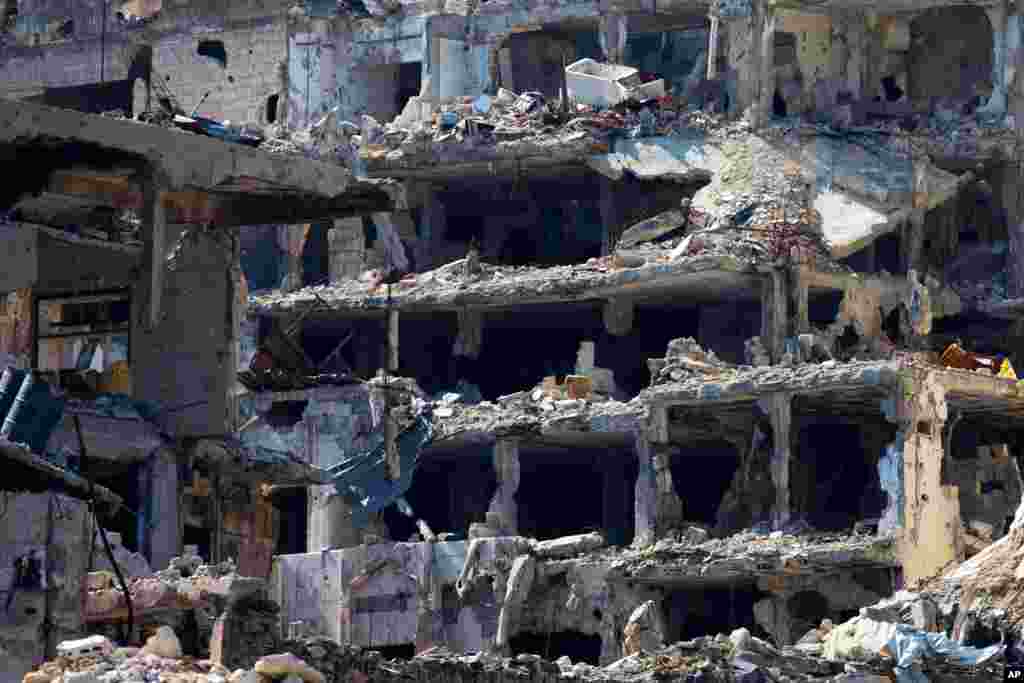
{"points": [[603, 483], [576, 646], [701, 474], [271, 113], [448, 492], [887, 254], [292, 506], [807, 609], [695, 612], [838, 483], [213, 49], [407, 651]]}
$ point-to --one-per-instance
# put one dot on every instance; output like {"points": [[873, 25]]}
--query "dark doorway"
{"points": [[292, 506], [409, 83], [271, 114]]}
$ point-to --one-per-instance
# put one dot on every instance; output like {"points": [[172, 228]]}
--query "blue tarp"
{"points": [[911, 647], [362, 480]]}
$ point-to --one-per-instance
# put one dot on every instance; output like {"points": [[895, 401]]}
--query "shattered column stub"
{"points": [[670, 506], [618, 316], [646, 497], [506, 467], [780, 411]]}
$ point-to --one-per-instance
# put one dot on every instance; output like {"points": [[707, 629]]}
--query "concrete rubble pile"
{"points": [[187, 583], [531, 411]]}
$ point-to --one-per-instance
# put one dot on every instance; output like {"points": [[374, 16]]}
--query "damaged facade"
{"points": [[564, 329]]}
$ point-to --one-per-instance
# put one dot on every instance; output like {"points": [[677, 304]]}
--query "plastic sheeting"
{"points": [[362, 480], [911, 648], [862, 637]]}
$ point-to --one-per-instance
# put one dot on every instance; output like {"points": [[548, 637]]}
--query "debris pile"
{"points": [[684, 358], [186, 584], [546, 407]]}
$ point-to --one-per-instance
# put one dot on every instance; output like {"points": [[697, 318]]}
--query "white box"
{"points": [[600, 85]]}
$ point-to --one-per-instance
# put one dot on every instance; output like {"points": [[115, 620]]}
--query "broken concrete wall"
{"points": [[238, 89], [989, 483], [191, 354], [930, 537], [801, 66], [55, 530], [42, 57], [71, 267], [950, 56]]}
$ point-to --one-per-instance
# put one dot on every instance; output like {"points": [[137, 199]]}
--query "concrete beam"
{"points": [[189, 160], [154, 226]]}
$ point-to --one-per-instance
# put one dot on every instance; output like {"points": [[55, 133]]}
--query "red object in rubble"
{"points": [[262, 362]]}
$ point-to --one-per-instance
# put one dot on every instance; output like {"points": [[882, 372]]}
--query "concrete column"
{"points": [[767, 67], [471, 334], [506, 467], [291, 240], [913, 242], [712, 71], [774, 313], [928, 536], [165, 536], [435, 222], [780, 413], [612, 34], [1002, 36], [393, 345], [670, 506], [855, 30], [800, 314], [618, 316], [610, 215], [154, 226], [1011, 197], [346, 244], [646, 497]]}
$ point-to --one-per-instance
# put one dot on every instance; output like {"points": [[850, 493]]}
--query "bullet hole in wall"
{"points": [[231, 79]]}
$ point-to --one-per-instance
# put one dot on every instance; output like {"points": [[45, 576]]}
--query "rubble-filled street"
{"points": [[355, 341]]}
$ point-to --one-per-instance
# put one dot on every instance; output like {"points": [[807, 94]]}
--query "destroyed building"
{"points": [[565, 329]]}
